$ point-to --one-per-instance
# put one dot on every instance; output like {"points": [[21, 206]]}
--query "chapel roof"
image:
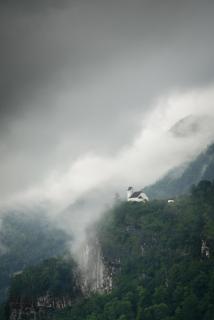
{"points": [[136, 194]]}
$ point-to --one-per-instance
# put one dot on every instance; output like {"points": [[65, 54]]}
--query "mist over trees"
{"points": [[179, 180], [26, 239], [163, 259]]}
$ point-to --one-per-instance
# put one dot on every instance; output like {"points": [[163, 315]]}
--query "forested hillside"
{"points": [[162, 261], [179, 180], [26, 239], [163, 256]]}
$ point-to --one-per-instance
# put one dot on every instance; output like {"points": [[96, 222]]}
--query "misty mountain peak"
{"points": [[189, 125]]}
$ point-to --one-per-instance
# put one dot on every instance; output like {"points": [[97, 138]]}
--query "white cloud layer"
{"points": [[151, 154], [90, 94]]}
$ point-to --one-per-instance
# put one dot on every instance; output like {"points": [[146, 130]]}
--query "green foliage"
{"points": [[27, 239], [54, 277], [160, 272], [4, 312]]}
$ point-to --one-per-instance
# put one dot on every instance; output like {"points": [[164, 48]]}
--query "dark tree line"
{"points": [[163, 258]]}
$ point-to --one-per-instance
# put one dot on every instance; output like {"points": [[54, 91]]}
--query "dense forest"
{"points": [[163, 258], [165, 261], [26, 239]]}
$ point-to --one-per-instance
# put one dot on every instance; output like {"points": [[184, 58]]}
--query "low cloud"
{"points": [[90, 92], [78, 195]]}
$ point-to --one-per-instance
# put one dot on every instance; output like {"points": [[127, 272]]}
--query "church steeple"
{"points": [[129, 192]]}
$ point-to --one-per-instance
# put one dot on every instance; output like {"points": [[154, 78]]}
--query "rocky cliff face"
{"points": [[39, 290], [96, 272], [39, 309]]}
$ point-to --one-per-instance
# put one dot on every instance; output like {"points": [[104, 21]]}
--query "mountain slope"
{"points": [[161, 258], [179, 180], [26, 239]]}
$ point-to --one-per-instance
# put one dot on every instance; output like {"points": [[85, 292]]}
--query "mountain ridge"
{"points": [[161, 261], [179, 180]]}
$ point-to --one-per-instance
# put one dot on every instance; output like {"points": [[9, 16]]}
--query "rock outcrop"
{"points": [[95, 272]]}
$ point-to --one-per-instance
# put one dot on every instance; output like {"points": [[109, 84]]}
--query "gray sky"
{"points": [[89, 90]]}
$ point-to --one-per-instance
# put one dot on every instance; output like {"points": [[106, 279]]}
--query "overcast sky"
{"points": [[90, 89]]}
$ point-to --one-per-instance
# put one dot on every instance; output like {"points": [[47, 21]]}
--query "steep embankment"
{"points": [[180, 180], [161, 261], [36, 292]]}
